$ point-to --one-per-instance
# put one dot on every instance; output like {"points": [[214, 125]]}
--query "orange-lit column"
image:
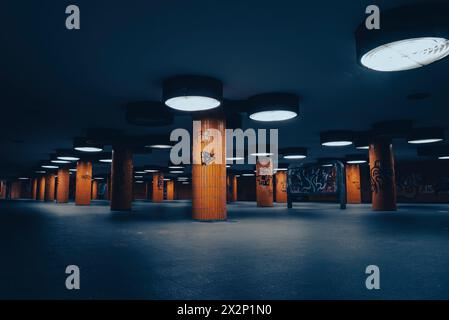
{"points": [[62, 192], [41, 188], [209, 167], [382, 176], [281, 187], [158, 187], [228, 189], [16, 190], [353, 190], [107, 192], [264, 182], [34, 189], [234, 188], [121, 178], [50, 187], [170, 190], [83, 183], [94, 189]]}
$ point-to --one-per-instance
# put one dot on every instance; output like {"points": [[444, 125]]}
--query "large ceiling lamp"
{"points": [[294, 153], [356, 159], [336, 138], [270, 107], [409, 37], [192, 93], [86, 145], [425, 135]]}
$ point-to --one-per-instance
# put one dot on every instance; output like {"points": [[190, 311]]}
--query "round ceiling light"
{"points": [[23, 178], [176, 171], [425, 135], [68, 158], [293, 153], [106, 160], [159, 146], [192, 93], [406, 54], [443, 157], [85, 145], [337, 138], [270, 107], [356, 159], [59, 161], [409, 37], [47, 166]]}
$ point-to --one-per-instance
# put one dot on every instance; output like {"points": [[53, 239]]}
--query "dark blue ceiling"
{"points": [[55, 83]]}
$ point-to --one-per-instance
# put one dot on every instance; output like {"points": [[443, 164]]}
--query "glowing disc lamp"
{"points": [[426, 135], [293, 153], [336, 138], [272, 107], [192, 93], [409, 37], [86, 145]]}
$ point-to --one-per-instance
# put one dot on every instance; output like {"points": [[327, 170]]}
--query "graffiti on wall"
{"points": [[380, 176], [312, 180]]}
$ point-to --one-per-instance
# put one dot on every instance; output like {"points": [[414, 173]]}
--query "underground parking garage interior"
{"points": [[224, 150]]}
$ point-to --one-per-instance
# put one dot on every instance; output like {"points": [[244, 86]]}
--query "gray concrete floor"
{"points": [[313, 251]]}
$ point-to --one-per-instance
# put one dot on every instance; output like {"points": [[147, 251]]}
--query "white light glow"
{"points": [[166, 179], [192, 103], [406, 54], [295, 157], [98, 178], [443, 158], [234, 158], [362, 147], [88, 149], [356, 161], [49, 167], [23, 178], [273, 115], [327, 165], [69, 158], [262, 154], [337, 143], [138, 177], [60, 161], [139, 181], [248, 174], [422, 141], [176, 171], [73, 170], [176, 167], [151, 170], [140, 172], [106, 160], [159, 146], [39, 171], [281, 169]]}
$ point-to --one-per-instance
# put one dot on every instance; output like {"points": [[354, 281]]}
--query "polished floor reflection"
{"points": [[313, 251]]}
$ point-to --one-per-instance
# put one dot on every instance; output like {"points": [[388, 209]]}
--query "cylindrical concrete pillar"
{"points": [[121, 178], [170, 190], [382, 176], [41, 189], [353, 189], [34, 189], [83, 183], [62, 193], [209, 167], [281, 187], [50, 187], [94, 189], [158, 187], [264, 182]]}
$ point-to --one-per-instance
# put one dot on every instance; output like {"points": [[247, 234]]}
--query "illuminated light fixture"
{"points": [[140, 172], [40, 171], [248, 174], [192, 93], [98, 178], [48, 166], [425, 135], [176, 167], [237, 176], [228, 166], [106, 160], [409, 37], [139, 181], [271, 107], [234, 158], [185, 182], [24, 178], [68, 158], [443, 157], [59, 161], [73, 170], [166, 179], [362, 147], [138, 177], [176, 171], [85, 145], [293, 153], [336, 138], [159, 146], [362, 140], [356, 159], [327, 165], [151, 170]]}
